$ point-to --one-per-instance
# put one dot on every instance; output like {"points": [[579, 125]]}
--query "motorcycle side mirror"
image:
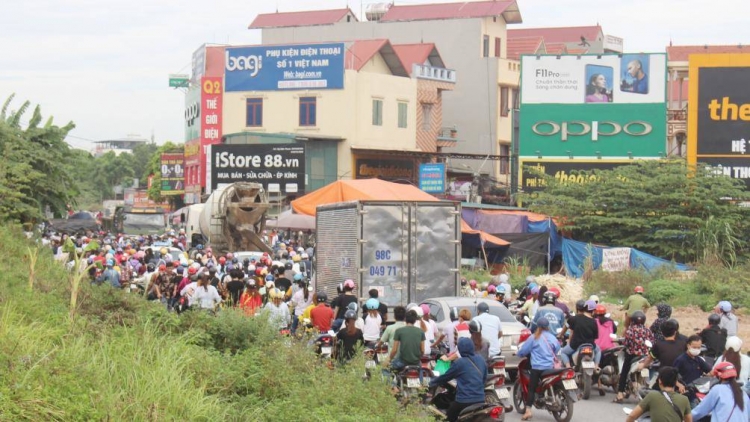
{"points": [[649, 344]]}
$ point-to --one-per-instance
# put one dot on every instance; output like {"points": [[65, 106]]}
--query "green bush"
{"points": [[617, 285], [666, 290], [122, 358]]}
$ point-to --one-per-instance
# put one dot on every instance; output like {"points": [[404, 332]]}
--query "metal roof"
{"points": [[525, 45], [411, 54], [681, 53], [306, 18], [460, 10], [565, 34]]}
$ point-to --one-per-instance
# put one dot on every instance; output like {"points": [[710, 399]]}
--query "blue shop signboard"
{"points": [[284, 67], [432, 177]]}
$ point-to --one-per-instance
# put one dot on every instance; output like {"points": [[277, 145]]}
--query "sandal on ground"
{"points": [[526, 417], [618, 400]]}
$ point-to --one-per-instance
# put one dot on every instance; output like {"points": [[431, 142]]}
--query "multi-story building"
{"points": [[118, 146], [471, 37], [374, 111], [566, 40], [677, 89]]}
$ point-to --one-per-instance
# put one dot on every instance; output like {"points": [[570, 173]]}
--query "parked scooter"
{"points": [[610, 366], [411, 389]]}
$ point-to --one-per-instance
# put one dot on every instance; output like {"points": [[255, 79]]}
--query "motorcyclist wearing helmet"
{"points": [[349, 338], [470, 373], [409, 344], [474, 289], [481, 345], [528, 306], [322, 315], [583, 330], [636, 336], [550, 312], [340, 303], [503, 280], [382, 308], [606, 326], [284, 284], [729, 320], [559, 303], [492, 330], [372, 322], [301, 299], [465, 290], [526, 291], [636, 302], [501, 296], [278, 311], [714, 337], [724, 402], [541, 349]]}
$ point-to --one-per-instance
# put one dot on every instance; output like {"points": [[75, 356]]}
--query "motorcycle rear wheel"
{"points": [[518, 398], [566, 414]]}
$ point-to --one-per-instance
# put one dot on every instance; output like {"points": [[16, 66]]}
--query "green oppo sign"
{"points": [[593, 130]]}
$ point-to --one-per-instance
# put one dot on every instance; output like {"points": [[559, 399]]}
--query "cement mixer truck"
{"points": [[233, 218]]}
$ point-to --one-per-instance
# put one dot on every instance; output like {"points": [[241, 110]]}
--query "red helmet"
{"points": [[473, 283], [555, 290], [259, 271], [222, 260], [639, 289], [162, 267], [725, 370], [600, 310], [192, 270]]}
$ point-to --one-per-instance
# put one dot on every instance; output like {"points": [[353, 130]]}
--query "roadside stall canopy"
{"points": [[358, 190], [380, 190]]}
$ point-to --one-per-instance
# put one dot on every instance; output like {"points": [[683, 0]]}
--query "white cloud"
{"points": [[104, 64]]}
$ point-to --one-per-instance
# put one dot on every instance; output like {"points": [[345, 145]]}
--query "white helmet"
{"points": [[503, 278], [734, 343]]}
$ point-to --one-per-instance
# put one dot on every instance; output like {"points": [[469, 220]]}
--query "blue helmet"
{"points": [[298, 277], [372, 304]]}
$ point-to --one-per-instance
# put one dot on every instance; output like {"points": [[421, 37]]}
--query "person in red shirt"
{"points": [[250, 301], [322, 315]]}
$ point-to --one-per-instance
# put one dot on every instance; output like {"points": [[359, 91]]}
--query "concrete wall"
{"points": [[344, 113], [473, 104]]}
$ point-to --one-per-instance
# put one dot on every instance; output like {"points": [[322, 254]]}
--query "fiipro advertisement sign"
{"points": [[172, 174], [610, 106], [719, 117], [278, 167], [284, 67]]}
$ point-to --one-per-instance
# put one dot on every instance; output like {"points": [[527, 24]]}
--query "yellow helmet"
{"points": [[163, 251], [276, 294]]}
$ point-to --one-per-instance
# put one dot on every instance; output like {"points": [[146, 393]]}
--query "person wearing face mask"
{"points": [[690, 365]]}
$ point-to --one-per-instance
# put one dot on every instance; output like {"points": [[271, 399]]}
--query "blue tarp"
{"points": [[575, 254], [548, 226]]}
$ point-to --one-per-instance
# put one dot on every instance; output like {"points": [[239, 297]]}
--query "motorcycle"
{"points": [[370, 362], [409, 384], [443, 396], [555, 393], [585, 367], [323, 346], [699, 389], [609, 372], [645, 417], [497, 390]]}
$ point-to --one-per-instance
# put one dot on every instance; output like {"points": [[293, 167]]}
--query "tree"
{"points": [[142, 154], [660, 207], [31, 175]]}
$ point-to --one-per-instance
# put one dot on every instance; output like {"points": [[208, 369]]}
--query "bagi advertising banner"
{"points": [[278, 167], [593, 106], [719, 121], [285, 67], [172, 174]]}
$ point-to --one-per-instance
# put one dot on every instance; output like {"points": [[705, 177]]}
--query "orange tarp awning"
{"points": [[358, 190], [486, 237], [532, 216]]}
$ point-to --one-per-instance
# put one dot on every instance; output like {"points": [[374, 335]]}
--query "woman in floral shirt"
{"points": [[635, 347]]}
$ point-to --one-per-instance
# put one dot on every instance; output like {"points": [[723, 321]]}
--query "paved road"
{"points": [[596, 409]]}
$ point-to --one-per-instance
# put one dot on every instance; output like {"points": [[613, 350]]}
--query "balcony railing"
{"points": [[448, 134], [434, 73], [676, 115]]}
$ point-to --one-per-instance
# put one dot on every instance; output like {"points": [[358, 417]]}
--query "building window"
{"points": [[498, 43], [504, 101], [377, 112], [426, 117], [486, 46], [504, 159], [402, 114], [308, 111], [516, 99], [254, 112]]}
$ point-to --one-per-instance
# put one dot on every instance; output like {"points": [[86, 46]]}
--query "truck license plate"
{"points": [[502, 393], [412, 383], [570, 384], [325, 350], [588, 364]]}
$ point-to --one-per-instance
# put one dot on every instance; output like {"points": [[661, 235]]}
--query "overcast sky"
{"points": [[105, 64]]}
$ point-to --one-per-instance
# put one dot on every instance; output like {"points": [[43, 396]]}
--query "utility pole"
{"points": [[514, 165]]}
